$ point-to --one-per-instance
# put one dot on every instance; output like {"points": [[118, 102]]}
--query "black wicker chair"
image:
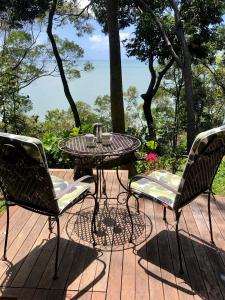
{"points": [[173, 191], [25, 181]]}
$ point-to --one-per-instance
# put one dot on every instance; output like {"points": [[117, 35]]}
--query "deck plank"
{"points": [[148, 253], [129, 269], [26, 247], [141, 277], [150, 271], [200, 233], [167, 270], [13, 209]]}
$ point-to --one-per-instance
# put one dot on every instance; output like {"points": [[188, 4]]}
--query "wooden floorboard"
{"points": [[148, 269]]}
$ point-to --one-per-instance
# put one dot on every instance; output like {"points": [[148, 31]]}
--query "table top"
{"points": [[121, 144]]}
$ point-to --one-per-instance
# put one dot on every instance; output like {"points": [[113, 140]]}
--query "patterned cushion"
{"points": [[198, 145], [67, 193], [202, 139], [197, 175], [157, 191], [32, 146], [59, 184]]}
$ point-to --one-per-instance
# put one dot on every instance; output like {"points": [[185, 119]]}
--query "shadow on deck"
{"points": [[115, 269]]}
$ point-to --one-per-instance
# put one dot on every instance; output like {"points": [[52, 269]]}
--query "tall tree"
{"points": [[116, 87], [113, 16], [150, 48], [68, 95], [188, 22], [15, 15]]}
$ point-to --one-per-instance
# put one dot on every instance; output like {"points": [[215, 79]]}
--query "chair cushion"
{"points": [[68, 193], [32, 146], [193, 183], [156, 190], [202, 139]]}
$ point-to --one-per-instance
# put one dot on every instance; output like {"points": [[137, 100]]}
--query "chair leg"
{"points": [[93, 222], [210, 221], [7, 232], [132, 224], [164, 213], [50, 224], [57, 248], [137, 201], [178, 241]]}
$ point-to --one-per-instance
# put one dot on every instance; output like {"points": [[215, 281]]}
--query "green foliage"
{"points": [[133, 119], [103, 109], [219, 181], [74, 132], [59, 122], [15, 12], [87, 116], [152, 145], [126, 13], [13, 105], [56, 157]]}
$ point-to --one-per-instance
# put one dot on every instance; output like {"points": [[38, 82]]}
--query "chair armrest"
{"points": [[86, 178], [154, 180], [89, 179]]}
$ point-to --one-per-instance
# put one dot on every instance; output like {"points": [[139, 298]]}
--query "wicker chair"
{"points": [[173, 191], [25, 181]]}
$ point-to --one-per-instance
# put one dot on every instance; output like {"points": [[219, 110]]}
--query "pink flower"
{"points": [[152, 156]]}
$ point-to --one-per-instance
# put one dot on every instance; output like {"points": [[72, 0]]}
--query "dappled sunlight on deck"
{"points": [[115, 268]]}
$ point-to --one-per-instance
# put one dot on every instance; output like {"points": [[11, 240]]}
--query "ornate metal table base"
{"points": [[121, 146]]}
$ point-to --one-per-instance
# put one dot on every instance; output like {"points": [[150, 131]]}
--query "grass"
{"points": [[2, 206], [219, 181]]}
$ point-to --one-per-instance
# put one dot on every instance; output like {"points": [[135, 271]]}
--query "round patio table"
{"points": [[121, 146]]}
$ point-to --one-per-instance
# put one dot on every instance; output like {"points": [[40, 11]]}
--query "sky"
{"points": [[48, 94], [95, 45]]}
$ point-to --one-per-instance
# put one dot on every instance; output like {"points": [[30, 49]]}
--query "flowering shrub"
{"points": [[152, 162]]}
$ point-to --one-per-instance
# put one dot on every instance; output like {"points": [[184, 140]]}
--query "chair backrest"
{"points": [[203, 161], [24, 176]]}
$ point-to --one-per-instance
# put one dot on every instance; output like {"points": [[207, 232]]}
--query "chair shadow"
{"points": [[203, 264], [36, 269]]}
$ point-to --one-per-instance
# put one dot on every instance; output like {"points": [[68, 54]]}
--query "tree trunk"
{"points": [[150, 93], [187, 75], [147, 109], [60, 65], [189, 95], [116, 89]]}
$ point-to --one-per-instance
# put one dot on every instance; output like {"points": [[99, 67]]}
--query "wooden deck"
{"points": [[115, 269]]}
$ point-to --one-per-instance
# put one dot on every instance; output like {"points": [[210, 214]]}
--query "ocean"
{"points": [[47, 93]]}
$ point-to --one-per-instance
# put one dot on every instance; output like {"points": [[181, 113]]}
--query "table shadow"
{"points": [[113, 227]]}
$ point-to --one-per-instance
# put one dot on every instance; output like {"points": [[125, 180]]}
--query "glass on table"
{"points": [[106, 138], [90, 140]]}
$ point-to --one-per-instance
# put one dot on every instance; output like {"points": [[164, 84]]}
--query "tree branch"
{"points": [[161, 74], [145, 7], [217, 78], [60, 65]]}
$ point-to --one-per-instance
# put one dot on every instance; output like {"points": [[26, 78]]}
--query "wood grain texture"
{"points": [[149, 270]]}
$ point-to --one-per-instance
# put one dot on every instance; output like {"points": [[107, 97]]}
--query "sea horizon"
{"points": [[47, 93]]}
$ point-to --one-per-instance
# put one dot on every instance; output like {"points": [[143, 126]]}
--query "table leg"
{"points": [[126, 192]]}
